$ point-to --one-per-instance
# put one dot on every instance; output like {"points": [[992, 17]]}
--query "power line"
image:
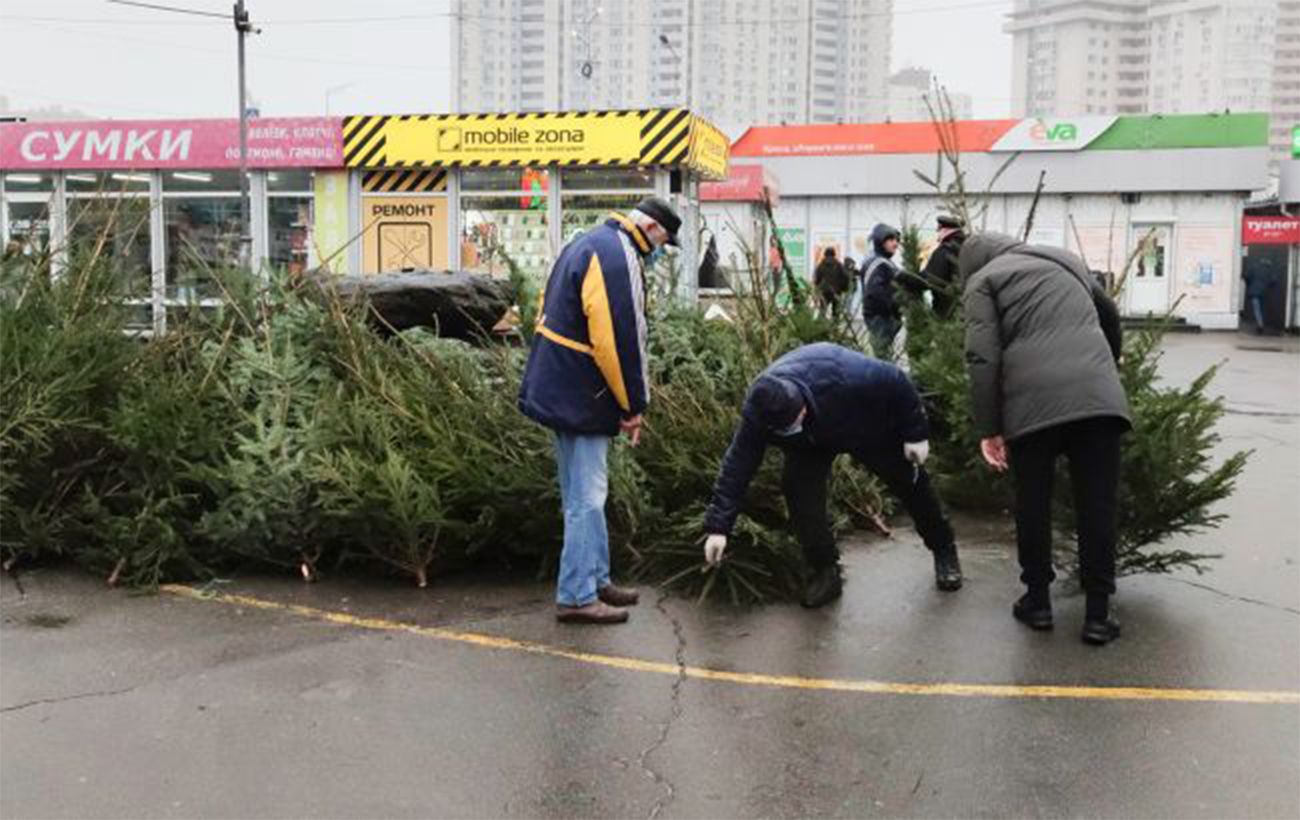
{"points": [[400, 18], [260, 55], [172, 9]]}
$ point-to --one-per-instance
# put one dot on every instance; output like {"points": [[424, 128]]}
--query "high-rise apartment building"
{"points": [[911, 93], [1286, 77], [1078, 56], [735, 61], [1157, 56]]}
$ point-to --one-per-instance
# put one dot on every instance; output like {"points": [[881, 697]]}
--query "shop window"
{"points": [[112, 233], [201, 217], [509, 224], [24, 183], [27, 228], [294, 182], [584, 211], [115, 182], [289, 217], [26, 213], [608, 179]]}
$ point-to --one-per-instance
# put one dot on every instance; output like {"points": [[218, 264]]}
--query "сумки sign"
{"points": [[285, 142]]}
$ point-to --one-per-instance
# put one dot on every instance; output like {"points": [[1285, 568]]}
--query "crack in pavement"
{"points": [[669, 791], [80, 696], [1243, 599]]}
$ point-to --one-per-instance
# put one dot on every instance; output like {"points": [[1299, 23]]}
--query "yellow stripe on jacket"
{"points": [[600, 330]]}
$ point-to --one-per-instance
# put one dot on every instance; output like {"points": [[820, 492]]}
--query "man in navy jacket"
{"points": [[586, 381], [815, 403]]}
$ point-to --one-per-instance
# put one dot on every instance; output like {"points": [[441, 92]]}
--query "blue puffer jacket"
{"points": [[587, 367], [856, 404]]}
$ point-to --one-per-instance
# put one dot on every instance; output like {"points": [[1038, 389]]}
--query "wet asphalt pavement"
{"points": [[137, 706]]}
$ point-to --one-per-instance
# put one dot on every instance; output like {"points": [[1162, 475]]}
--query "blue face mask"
{"points": [[655, 255]]}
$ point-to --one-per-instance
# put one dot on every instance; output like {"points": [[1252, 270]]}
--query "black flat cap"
{"points": [[946, 221], [660, 211]]}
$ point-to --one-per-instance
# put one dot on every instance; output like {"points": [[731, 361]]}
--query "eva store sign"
{"points": [[288, 142], [1066, 134]]}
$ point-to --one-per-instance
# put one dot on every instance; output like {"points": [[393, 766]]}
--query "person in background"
{"points": [[586, 380], [814, 403], [830, 281], [880, 309], [940, 274], [1042, 344], [1260, 279], [775, 269]]}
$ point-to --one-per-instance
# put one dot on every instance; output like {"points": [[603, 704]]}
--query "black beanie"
{"points": [[776, 402]]}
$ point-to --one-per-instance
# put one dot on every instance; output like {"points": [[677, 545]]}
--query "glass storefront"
{"points": [[504, 216], [171, 233], [590, 194], [201, 231], [26, 200], [108, 224], [289, 218]]}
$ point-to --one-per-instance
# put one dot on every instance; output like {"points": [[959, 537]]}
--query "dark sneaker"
{"points": [[947, 570], [596, 612], [1032, 615], [1100, 633], [615, 595], [825, 585]]}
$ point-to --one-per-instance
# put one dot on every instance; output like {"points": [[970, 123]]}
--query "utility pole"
{"points": [[242, 28]]}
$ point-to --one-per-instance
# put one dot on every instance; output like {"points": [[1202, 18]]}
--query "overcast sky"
{"points": [[113, 60]]}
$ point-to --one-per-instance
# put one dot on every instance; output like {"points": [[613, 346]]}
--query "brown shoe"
{"points": [[596, 612], [615, 595]]}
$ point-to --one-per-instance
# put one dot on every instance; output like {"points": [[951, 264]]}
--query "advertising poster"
{"points": [[827, 238], [796, 249], [1204, 273], [331, 208], [403, 233]]}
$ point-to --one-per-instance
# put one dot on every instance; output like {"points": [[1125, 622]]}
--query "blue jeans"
{"points": [[584, 485]]}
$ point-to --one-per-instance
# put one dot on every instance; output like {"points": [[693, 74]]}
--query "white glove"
{"points": [[714, 546], [917, 452]]}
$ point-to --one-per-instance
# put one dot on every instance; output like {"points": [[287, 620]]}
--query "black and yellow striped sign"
{"points": [[404, 180], [647, 137]]}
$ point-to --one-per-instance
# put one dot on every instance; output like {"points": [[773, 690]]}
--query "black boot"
{"points": [[1099, 628], [947, 569], [823, 586], [1034, 611]]}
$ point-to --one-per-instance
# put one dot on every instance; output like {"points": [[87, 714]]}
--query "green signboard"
{"points": [[1184, 131], [796, 249]]}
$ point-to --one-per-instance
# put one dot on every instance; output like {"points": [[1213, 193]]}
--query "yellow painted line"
{"points": [[966, 690]]}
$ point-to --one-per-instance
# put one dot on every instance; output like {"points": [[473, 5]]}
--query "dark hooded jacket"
{"points": [[941, 273], [879, 271], [856, 404], [1042, 338]]}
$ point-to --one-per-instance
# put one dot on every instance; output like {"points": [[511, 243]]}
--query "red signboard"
{"points": [[744, 183], [875, 138], [1270, 230]]}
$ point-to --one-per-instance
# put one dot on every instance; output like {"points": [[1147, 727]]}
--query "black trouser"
{"points": [[1092, 448], [804, 482]]}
